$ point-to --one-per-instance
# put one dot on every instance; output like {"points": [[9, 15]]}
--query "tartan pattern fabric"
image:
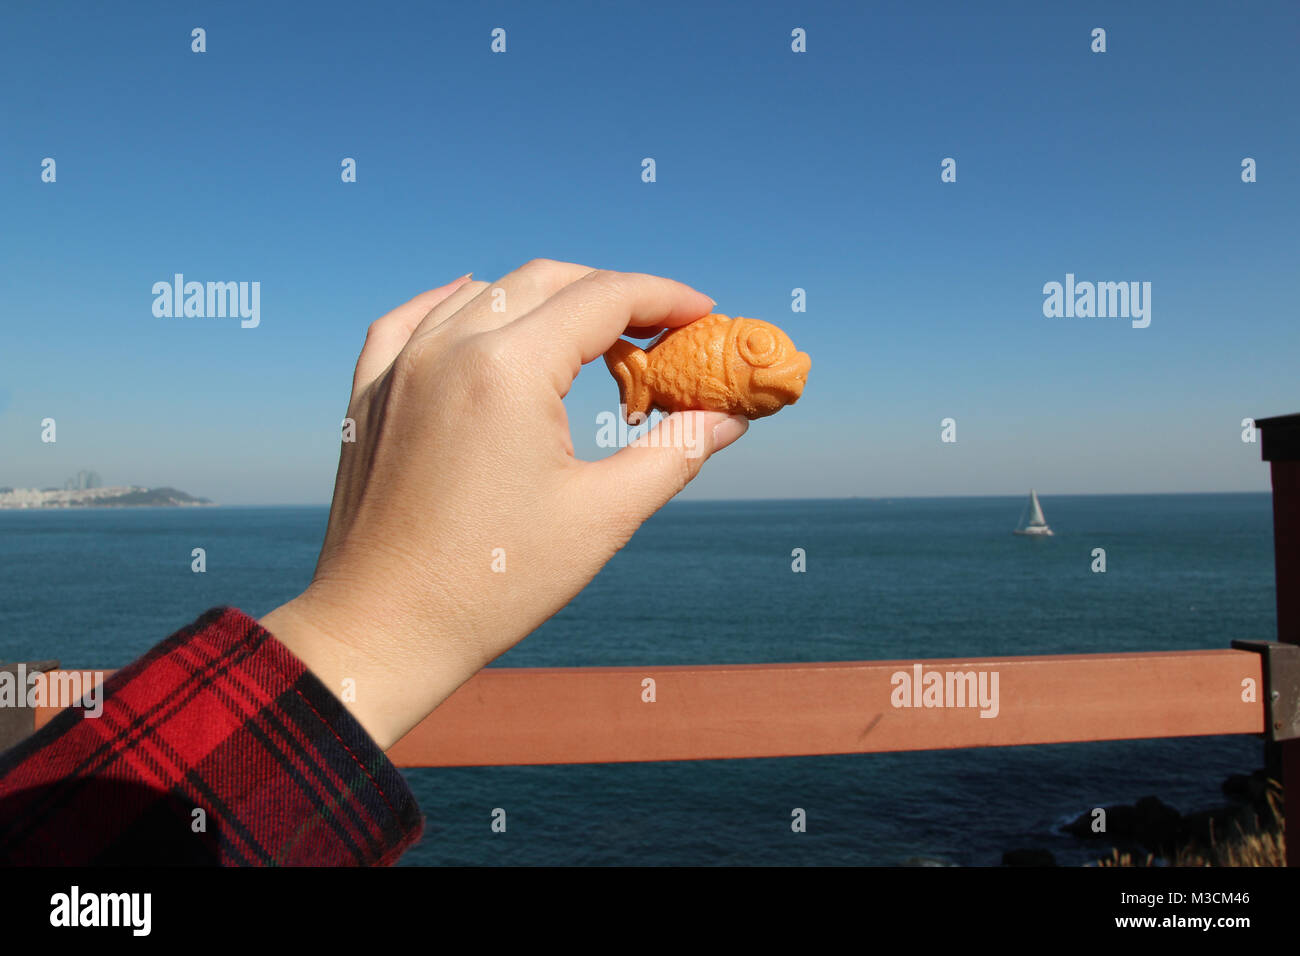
{"points": [[223, 718]]}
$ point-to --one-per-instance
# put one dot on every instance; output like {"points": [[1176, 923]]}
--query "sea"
{"points": [[712, 583]]}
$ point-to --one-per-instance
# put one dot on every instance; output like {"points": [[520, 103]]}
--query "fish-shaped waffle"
{"points": [[739, 366]]}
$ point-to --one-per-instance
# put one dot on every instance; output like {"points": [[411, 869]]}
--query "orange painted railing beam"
{"points": [[507, 715]]}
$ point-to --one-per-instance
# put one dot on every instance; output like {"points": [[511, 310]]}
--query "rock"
{"points": [[926, 861], [1121, 824], [1207, 826], [1152, 823], [1246, 788], [1237, 787], [1157, 825], [1259, 788], [1028, 857]]}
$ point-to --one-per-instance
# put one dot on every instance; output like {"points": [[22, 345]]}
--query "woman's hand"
{"points": [[462, 463]]}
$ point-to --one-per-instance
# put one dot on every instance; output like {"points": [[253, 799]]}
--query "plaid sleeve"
{"points": [[218, 746]]}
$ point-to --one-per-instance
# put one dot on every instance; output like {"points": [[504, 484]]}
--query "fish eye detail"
{"points": [[759, 347]]}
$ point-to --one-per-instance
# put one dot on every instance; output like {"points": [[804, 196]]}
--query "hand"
{"points": [[462, 460]]}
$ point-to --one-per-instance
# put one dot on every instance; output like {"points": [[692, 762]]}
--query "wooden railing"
{"points": [[553, 715], [616, 714]]}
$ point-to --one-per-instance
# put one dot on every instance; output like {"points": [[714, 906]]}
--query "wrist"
{"points": [[384, 697]]}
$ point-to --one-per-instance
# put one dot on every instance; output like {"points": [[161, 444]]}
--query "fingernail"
{"points": [[467, 275], [728, 430]]}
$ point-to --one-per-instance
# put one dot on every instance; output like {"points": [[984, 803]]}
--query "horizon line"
{"points": [[1018, 494]]}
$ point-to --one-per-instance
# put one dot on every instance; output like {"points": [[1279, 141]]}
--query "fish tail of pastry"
{"points": [[628, 365]]}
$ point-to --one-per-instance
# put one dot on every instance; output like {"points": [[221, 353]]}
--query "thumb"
{"points": [[640, 478]]}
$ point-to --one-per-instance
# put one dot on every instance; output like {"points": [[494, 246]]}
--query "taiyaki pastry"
{"points": [[739, 366]]}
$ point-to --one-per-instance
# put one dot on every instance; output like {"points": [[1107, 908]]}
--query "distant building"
{"points": [[82, 480]]}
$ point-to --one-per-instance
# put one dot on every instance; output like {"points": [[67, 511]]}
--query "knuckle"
{"points": [[409, 360], [541, 266], [551, 274], [488, 356], [605, 284]]}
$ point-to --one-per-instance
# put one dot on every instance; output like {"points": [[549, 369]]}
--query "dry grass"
{"points": [[1266, 846]]}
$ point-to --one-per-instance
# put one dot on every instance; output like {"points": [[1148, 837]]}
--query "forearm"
{"points": [[217, 746]]}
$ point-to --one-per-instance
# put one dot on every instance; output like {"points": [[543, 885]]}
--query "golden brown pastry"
{"points": [[740, 366]]}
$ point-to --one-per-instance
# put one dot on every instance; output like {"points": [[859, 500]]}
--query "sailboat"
{"points": [[1037, 523]]}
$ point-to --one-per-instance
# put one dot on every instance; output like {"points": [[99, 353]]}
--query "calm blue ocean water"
{"points": [[707, 582]]}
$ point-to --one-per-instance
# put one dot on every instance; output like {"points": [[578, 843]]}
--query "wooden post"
{"points": [[1281, 449]]}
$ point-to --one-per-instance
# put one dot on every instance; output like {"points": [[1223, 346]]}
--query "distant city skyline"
{"points": [[954, 198], [83, 479]]}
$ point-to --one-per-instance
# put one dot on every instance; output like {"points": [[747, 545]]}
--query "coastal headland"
{"points": [[119, 496]]}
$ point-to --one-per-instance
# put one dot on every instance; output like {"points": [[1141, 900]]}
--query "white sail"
{"points": [[1036, 518], [1037, 523]]}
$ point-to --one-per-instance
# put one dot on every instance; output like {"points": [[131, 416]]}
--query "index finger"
{"points": [[580, 322]]}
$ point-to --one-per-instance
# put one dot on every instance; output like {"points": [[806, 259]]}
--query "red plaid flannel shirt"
{"points": [[222, 718]]}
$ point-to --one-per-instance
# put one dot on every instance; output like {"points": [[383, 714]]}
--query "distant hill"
{"points": [[153, 497], [122, 496]]}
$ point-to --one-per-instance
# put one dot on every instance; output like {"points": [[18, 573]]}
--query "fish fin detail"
{"points": [[715, 397], [629, 364]]}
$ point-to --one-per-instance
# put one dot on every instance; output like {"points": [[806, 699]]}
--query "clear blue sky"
{"points": [[775, 170]]}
